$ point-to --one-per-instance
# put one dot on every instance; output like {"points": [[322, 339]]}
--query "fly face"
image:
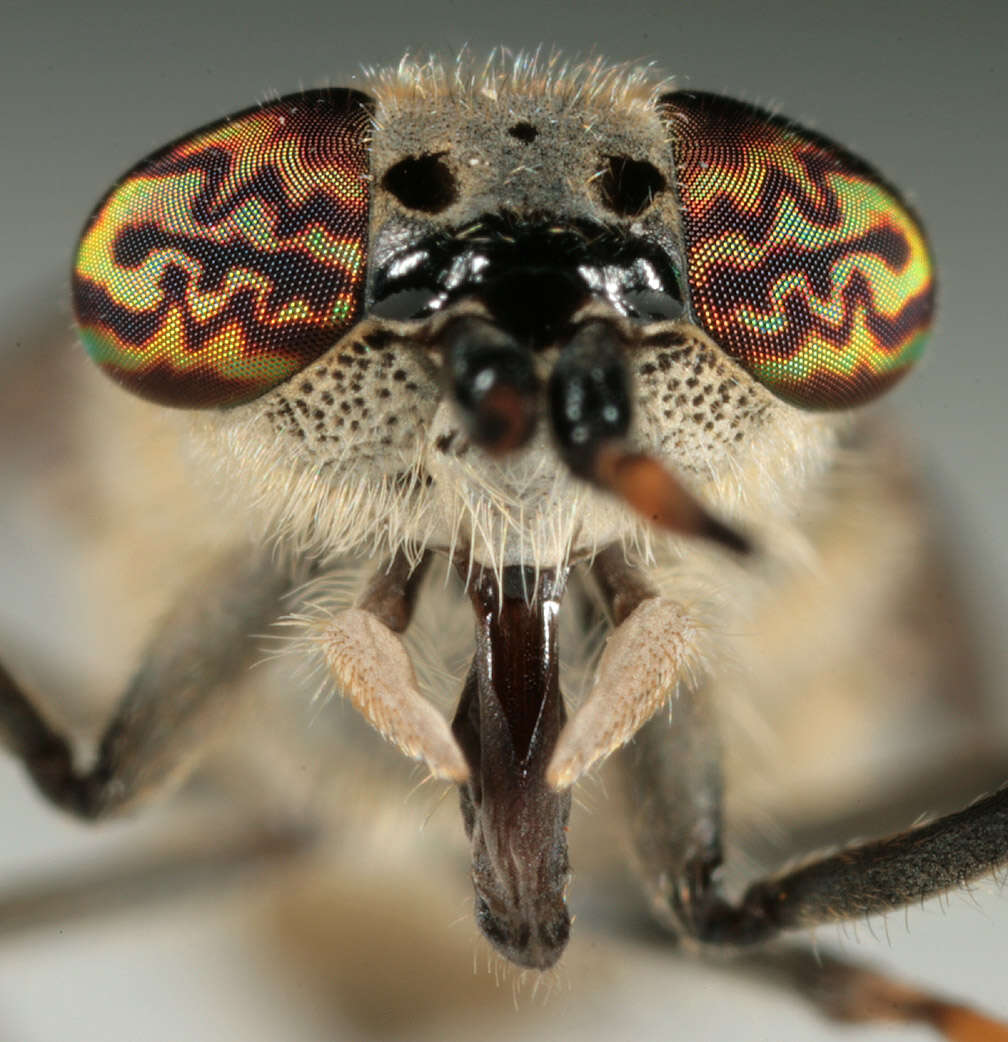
{"points": [[530, 322], [441, 418]]}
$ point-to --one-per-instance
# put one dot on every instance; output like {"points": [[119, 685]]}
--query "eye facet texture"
{"points": [[232, 258], [802, 263]]}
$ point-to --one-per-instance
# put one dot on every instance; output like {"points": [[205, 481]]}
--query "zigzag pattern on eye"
{"points": [[322, 155], [802, 262], [291, 272], [204, 381], [764, 225], [801, 322], [232, 258], [760, 217]]}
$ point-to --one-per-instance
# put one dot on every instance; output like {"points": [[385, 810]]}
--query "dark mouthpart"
{"points": [[508, 720]]}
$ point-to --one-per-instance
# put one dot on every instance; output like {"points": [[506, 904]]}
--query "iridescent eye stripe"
{"points": [[232, 258], [802, 263]]}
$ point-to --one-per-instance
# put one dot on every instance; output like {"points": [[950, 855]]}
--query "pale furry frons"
{"points": [[591, 82]]}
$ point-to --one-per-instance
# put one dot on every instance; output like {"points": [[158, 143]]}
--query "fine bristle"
{"points": [[588, 82]]}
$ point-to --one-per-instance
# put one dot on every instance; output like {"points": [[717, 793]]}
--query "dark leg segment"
{"points": [[852, 994], [862, 880], [171, 707], [674, 789], [671, 771], [213, 862], [673, 800]]}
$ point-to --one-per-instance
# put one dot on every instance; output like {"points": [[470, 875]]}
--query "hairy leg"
{"points": [[673, 789], [175, 703]]}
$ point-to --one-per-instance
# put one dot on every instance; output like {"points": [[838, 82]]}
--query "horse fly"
{"points": [[594, 347]]}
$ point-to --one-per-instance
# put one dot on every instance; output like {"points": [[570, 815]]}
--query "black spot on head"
{"points": [[524, 132], [422, 183], [665, 338], [379, 339], [628, 186]]}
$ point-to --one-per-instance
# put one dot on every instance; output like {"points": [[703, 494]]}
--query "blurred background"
{"points": [[85, 90]]}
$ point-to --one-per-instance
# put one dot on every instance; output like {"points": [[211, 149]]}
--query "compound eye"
{"points": [[802, 263], [232, 258]]}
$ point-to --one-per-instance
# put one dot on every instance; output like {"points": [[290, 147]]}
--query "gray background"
{"points": [[919, 88]]}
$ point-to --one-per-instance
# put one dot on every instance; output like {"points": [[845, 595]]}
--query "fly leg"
{"points": [[673, 794], [673, 784], [185, 690], [673, 787], [178, 698], [849, 993], [208, 861]]}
